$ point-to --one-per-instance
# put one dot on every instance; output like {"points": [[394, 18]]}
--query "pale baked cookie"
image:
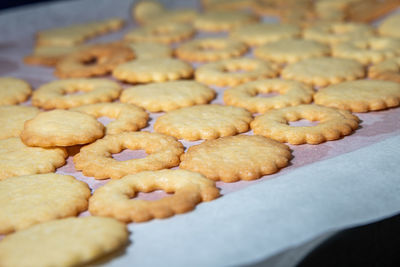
{"points": [[144, 11], [390, 26], [164, 33], [219, 21], [291, 50], [368, 50], [168, 96], [231, 72], [49, 55], [96, 159], [147, 50], [324, 71], [116, 198], [94, 60], [386, 70], [360, 96], [40, 198], [233, 158], [180, 15], [153, 70], [18, 159], [66, 242], [332, 124], [68, 93], [291, 93], [204, 122], [263, 33], [12, 119], [13, 91], [128, 118], [210, 49], [337, 32], [61, 128]]}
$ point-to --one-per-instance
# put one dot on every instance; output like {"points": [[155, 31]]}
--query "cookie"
{"points": [[324, 71], [386, 70], [153, 70], [61, 128], [40, 198], [12, 119], [144, 11], [168, 96], [94, 60], [233, 158], [204, 122], [210, 49], [13, 91], [115, 199], [164, 33], [127, 117], [332, 124], [248, 95], [66, 242], [18, 159], [263, 33], [219, 21], [360, 96], [147, 50], [49, 55], [291, 50], [231, 72], [390, 26], [96, 159], [368, 50], [68, 93]]}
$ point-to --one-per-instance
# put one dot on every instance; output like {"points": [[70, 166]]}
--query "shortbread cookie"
{"points": [[49, 55], [231, 72], [61, 128], [324, 71], [291, 93], [386, 70], [153, 70], [390, 26], [40, 198], [144, 11], [291, 50], [263, 33], [337, 32], [94, 60], [151, 50], [12, 119], [360, 96], [204, 122], [18, 159], [68, 93], [168, 96], [116, 198], [66, 242], [233, 158], [219, 21], [332, 124], [128, 118], [179, 15], [13, 91], [368, 50], [210, 49], [96, 159]]}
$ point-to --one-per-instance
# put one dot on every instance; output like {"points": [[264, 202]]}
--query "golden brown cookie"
{"points": [[360, 96], [219, 21], [249, 95], [332, 124], [204, 122], [116, 198], [157, 97], [148, 50], [61, 128], [13, 91], [96, 159], [40, 198], [390, 26], [12, 119], [49, 55], [386, 70], [233, 158]]}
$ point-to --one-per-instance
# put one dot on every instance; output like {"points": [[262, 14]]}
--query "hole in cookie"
{"points": [[105, 120], [152, 196], [237, 70], [90, 61], [72, 93], [128, 154], [271, 94], [303, 123]]}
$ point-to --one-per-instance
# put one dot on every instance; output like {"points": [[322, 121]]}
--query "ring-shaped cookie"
{"points": [[61, 94], [128, 117], [96, 159], [210, 49], [333, 124], [291, 93], [188, 188], [231, 72], [13, 91], [386, 70], [94, 60]]}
